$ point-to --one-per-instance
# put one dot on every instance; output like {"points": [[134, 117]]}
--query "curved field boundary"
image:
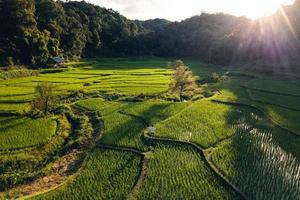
{"points": [[81, 108], [70, 173], [140, 181], [73, 176], [269, 103], [220, 172], [142, 174], [214, 145], [20, 150], [120, 148], [219, 175], [141, 119], [271, 92], [261, 111], [70, 178], [198, 148]]}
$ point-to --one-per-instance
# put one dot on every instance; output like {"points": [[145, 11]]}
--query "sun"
{"points": [[255, 9]]}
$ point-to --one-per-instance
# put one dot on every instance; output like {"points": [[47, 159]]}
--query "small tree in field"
{"points": [[184, 83], [45, 97], [177, 63]]}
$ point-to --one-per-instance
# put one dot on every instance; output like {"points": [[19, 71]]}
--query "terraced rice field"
{"points": [[241, 150], [279, 103], [176, 172], [108, 76], [16, 133], [263, 161], [276, 86], [208, 124], [99, 104], [155, 112], [285, 101], [107, 174], [122, 130]]}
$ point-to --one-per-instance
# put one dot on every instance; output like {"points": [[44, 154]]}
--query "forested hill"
{"points": [[34, 30]]}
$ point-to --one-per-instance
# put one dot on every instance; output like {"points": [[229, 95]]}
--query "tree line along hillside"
{"points": [[34, 30]]}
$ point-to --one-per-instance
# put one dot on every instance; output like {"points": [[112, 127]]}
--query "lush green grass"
{"points": [[129, 77], [203, 70], [176, 172], [263, 161], [204, 123], [24, 132], [14, 107], [231, 90], [258, 158], [276, 99], [285, 117], [19, 166], [99, 104], [123, 130], [274, 85], [14, 91], [119, 129], [106, 175], [155, 112]]}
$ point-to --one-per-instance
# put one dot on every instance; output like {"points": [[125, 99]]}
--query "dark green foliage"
{"points": [[152, 24], [21, 40], [34, 30]]}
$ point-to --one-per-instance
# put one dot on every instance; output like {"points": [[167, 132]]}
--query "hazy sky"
{"points": [[182, 9]]}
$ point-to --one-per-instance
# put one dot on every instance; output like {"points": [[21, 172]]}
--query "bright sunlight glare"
{"points": [[258, 8], [182, 9]]}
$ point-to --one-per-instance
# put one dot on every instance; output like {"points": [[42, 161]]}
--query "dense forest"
{"points": [[34, 30]]}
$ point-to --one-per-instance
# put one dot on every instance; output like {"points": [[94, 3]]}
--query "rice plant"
{"points": [[99, 104], [178, 172], [262, 161], [24, 132], [155, 112], [204, 122], [123, 130], [107, 174]]}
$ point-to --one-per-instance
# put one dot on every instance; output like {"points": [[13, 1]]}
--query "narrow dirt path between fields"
{"points": [[64, 169], [61, 172]]}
